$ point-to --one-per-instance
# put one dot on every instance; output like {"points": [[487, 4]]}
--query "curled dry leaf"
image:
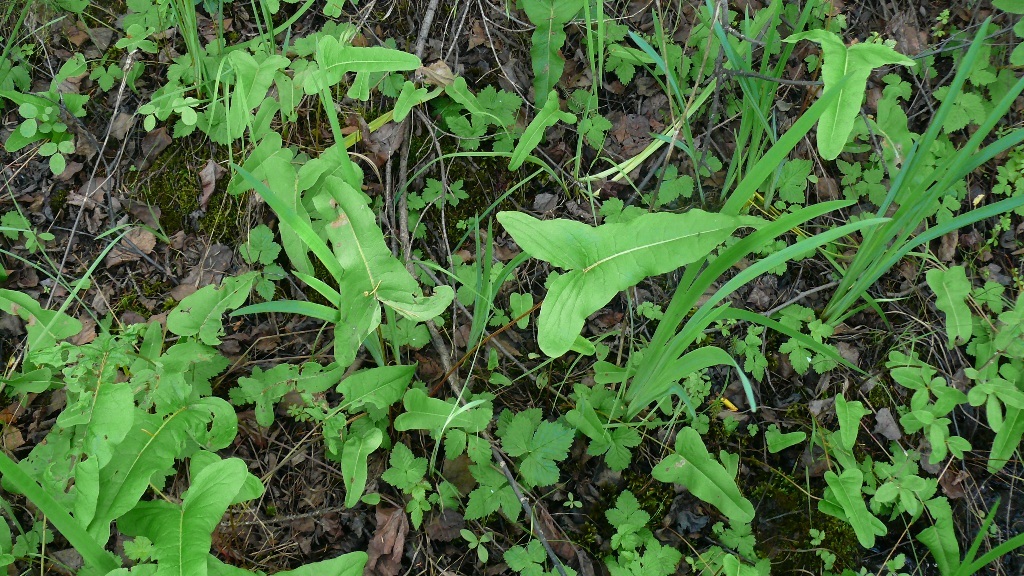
{"points": [[152, 145], [437, 74], [388, 543], [208, 177]]}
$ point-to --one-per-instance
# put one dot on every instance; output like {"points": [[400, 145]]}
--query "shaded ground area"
{"points": [[123, 174]]}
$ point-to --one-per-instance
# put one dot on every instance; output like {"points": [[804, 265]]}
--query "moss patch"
{"points": [[172, 184]]}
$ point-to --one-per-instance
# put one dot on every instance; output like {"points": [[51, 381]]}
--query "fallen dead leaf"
{"points": [[886, 425], [437, 74], [388, 543], [152, 145], [88, 332], [947, 246], [385, 141], [148, 215], [128, 250], [952, 483], [121, 124], [445, 526], [208, 177]]}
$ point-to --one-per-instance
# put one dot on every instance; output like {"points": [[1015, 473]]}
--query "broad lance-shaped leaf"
{"points": [[1007, 440], [150, 449], [703, 476], [200, 314], [605, 260], [839, 61], [354, 457], [951, 289], [547, 117], [550, 16], [371, 274], [940, 538], [843, 500], [182, 535]]}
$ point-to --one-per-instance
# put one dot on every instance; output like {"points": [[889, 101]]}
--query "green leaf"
{"points": [[44, 327], [548, 116], [952, 289], [605, 260], [371, 273], [182, 535], [261, 247], [406, 470], [539, 446], [1007, 440], [350, 564], [844, 501], [149, 450], [849, 415], [357, 450], [1011, 6], [379, 387], [838, 62], [777, 441], [550, 17], [425, 413], [200, 313], [940, 538], [265, 389], [708, 480]]}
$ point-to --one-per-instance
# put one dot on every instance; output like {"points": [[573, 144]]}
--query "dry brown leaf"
{"points": [[445, 526], [385, 141], [477, 35], [386, 548], [135, 241], [561, 545], [148, 215], [947, 245], [886, 425], [208, 177], [91, 194], [88, 332], [437, 74], [952, 483], [152, 145]]}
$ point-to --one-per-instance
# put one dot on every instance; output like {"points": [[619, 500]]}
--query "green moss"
{"points": [[783, 531], [172, 184]]}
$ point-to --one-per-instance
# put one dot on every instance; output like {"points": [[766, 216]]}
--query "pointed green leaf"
{"points": [[952, 289], [548, 116], [182, 535], [200, 314], [837, 62], [357, 449], [844, 499], [605, 260], [940, 538], [350, 564], [707, 479]]}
